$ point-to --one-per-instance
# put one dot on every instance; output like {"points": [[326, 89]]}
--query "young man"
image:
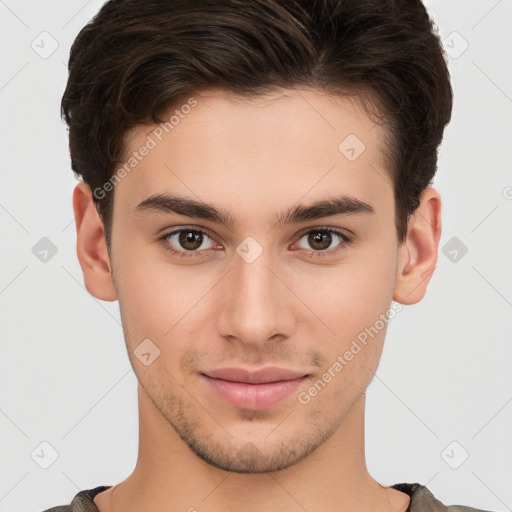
{"points": [[256, 195]]}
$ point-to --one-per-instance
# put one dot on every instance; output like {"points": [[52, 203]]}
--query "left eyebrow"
{"points": [[170, 203], [344, 205]]}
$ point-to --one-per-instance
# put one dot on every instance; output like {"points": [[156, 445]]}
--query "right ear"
{"points": [[91, 246]]}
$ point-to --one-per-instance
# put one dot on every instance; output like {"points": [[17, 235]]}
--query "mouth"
{"points": [[254, 390]]}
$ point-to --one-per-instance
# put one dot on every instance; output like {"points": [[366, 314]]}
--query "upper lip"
{"points": [[262, 376]]}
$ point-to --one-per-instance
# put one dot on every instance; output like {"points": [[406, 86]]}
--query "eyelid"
{"points": [[346, 235], [346, 239], [342, 231], [166, 233]]}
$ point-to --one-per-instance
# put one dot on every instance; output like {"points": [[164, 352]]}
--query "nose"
{"points": [[255, 305]]}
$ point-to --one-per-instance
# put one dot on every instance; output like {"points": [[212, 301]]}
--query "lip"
{"points": [[261, 376], [254, 390]]}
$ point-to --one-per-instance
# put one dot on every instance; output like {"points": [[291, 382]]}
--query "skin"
{"points": [[255, 158]]}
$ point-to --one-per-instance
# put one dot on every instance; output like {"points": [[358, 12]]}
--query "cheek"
{"points": [[357, 310], [161, 301], [342, 381], [351, 295]]}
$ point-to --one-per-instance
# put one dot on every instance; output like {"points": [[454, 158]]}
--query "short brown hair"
{"points": [[136, 59]]}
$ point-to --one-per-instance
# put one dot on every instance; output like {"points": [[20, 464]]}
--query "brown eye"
{"points": [[190, 240], [187, 242], [320, 240]]}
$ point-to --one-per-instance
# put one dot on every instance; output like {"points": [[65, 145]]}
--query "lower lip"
{"points": [[254, 396]]}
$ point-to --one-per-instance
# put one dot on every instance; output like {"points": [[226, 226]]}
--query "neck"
{"points": [[168, 475]]}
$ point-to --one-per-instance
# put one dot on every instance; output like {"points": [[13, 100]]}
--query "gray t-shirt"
{"points": [[422, 500]]}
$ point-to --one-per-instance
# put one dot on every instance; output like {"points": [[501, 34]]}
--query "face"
{"points": [[250, 282]]}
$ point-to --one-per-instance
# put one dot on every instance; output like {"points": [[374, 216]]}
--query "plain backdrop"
{"points": [[440, 406]]}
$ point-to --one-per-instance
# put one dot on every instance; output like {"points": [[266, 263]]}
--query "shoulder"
{"points": [[82, 502], [422, 500]]}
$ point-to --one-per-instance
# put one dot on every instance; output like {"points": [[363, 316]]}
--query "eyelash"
{"points": [[346, 240]]}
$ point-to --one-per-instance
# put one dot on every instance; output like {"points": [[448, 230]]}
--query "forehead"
{"points": [[291, 115], [238, 148]]}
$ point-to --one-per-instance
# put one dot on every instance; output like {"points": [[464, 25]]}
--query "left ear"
{"points": [[417, 256]]}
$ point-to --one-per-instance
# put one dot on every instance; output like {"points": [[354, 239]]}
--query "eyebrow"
{"points": [[170, 203]]}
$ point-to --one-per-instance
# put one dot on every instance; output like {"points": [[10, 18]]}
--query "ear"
{"points": [[417, 256], [91, 246]]}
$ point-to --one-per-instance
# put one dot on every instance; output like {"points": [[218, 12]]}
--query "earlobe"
{"points": [[91, 245], [417, 256]]}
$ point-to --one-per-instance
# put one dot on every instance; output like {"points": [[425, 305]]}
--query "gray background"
{"points": [[443, 391]]}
